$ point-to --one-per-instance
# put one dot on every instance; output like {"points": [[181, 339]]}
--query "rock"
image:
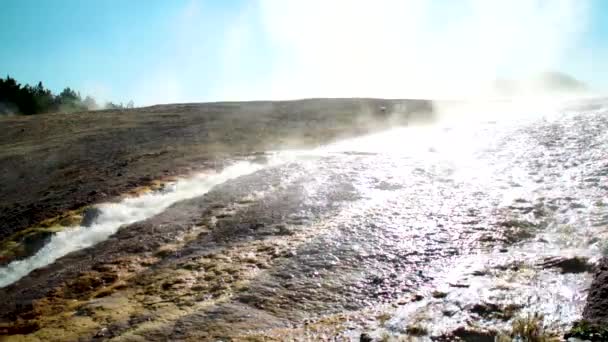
{"points": [[377, 280], [439, 294], [596, 309], [101, 333], [417, 297], [468, 334], [32, 243], [485, 309], [495, 311], [365, 338], [89, 216], [449, 312], [568, 265]]}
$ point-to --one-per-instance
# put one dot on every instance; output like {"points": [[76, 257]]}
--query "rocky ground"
{"points": [[52, 166], [393, 237]]}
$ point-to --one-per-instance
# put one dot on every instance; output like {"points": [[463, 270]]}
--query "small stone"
{"points": [[448, 313], [568, 265], [365, 338], [485, 309], [470, 334], [376, 280], [417, 297], [103, 332], [439, 294], [89, 216], [460, 285]]}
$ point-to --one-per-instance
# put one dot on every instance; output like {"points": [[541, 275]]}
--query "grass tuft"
{"points": [[530, 328], [587, 331]]}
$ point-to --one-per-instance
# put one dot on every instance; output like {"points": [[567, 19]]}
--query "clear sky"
{"points": [[153, 51]]}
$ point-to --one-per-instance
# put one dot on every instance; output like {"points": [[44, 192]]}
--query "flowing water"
{"points": [[473, 219], [115, 215]]}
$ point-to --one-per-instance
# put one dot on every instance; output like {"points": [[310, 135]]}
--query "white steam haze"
{"points": [[290, 49], [115, 215], [400, 49]]}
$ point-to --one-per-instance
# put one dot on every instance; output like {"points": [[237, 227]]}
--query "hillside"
{"points": [[53, 163]]}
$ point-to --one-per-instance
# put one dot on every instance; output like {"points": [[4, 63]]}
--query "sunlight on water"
{"points": [[431, 196], [533, 160], [547, 169]]}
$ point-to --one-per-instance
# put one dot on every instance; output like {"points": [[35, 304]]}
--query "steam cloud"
{"points": [[417, 48], [285, 49]]}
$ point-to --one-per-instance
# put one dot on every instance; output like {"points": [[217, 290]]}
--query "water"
{"points": [[115, 215], [475, 211], [547, 169], [472, 207]]}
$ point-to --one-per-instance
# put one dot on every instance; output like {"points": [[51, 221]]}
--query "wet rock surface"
{"points": [[353, 242], [89, 216], [596, 310], [54, 163], [569, 265]]}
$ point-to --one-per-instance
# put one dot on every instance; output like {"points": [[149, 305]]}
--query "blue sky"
{"points": [[153, 51]]}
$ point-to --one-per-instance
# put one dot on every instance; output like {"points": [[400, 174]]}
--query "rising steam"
{"points": [[402, 49], [286, 49]]}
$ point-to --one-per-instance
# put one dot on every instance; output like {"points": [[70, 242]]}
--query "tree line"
{"points": [[28, 100]]}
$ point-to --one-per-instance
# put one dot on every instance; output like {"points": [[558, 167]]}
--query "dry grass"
{"points": [[416, 330], [530, 328]]}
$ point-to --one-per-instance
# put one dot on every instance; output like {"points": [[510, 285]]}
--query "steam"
{"points": [[287, 49], [115, 215], [421, 49]]}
